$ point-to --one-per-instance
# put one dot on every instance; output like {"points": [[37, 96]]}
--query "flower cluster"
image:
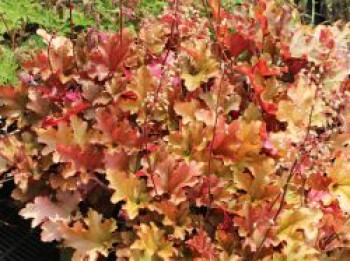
{"points": [[207, 135]]}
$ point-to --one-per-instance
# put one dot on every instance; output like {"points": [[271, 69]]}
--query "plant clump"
{"points": [[210, 134]]}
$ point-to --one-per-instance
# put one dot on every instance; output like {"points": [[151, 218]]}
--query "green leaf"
{"points": [[8, 66]]}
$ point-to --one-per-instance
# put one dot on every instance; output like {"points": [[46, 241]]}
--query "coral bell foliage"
{"points": [[210, 134]]}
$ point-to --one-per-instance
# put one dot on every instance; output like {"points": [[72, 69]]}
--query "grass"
{"points": [[8, 66], [17, 16]]}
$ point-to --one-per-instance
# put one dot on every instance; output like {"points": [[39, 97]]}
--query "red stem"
{"points": [[121, 22], [145, 129], [211, 148], [48, 53], [216, 113], [285, 188], [71, 24]]}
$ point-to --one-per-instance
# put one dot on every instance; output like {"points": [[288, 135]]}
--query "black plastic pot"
{"points": [[18, 241]]}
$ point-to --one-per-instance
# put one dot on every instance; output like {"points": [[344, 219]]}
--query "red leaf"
{"points": [[295, 65], [173, 178], [261, 68], [129, 95], [237, 43], [202, 245], [327, 38], [108, 56], [88, 158], [49, 122], [8, 92], [76, 109], [254, 217], [118, 130], [117, 160]]}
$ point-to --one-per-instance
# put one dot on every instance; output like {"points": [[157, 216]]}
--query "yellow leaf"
{"points": [[340, 186], [175, 216], [80, 132], [153, 242], [258, 185], [252, 113], [74, 133], [241, 140], [199, 68], [191, 141], [296, 110], [296, 251], [142, 85], [129, 188], [303, 219], [186, 110], [154, 35], [91, 237], [51, 137]]}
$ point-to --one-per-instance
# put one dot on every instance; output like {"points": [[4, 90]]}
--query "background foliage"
{"points": [[185, 130], [20, 19]]}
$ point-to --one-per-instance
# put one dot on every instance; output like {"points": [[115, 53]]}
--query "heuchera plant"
{"points": [[206, 135]]}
